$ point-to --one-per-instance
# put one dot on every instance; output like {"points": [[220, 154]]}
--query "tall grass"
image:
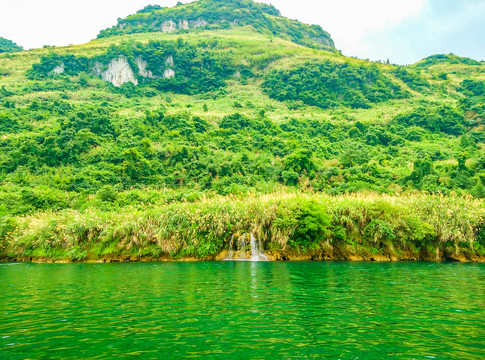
{"points": [[364, 225]]}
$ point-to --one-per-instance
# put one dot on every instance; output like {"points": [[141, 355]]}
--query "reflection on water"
{"points": [[241, 310]]}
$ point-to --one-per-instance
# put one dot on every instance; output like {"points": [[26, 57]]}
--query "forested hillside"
{"points": [[8, 46], [142, 117]]}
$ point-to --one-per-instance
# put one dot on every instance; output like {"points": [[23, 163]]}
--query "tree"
{"points": [[135, 165], [307, 221], [422, 168], [300, 161], [9, 46]]}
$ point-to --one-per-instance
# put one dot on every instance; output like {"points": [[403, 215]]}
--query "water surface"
{"points": [[242, 310]]}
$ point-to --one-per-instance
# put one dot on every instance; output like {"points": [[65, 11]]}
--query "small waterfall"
{"points": [[254, 248], [256, 252], [238, 252]]}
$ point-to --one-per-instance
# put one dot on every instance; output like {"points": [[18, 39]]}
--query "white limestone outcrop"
{"points": [[170, 26], [142, 69], [169, 73], [58, 70], [119, 72], [169, 61]]}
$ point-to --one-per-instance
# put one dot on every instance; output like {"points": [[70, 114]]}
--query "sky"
{"points": [[403, 31]]}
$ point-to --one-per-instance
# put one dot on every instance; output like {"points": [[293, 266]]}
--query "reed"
{"points": [[287, 223]]}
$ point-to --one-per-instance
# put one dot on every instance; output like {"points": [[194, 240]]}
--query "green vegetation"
{"points": [[221, 14], [446, 59], [289, 225], [8, 46], [438, 119], [411, 78], [195, 70], [239, 113], [329, 84]]}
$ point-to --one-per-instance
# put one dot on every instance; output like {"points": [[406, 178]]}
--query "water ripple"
{"points": [[243, 311]]}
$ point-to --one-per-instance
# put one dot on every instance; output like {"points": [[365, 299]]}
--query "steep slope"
{"points": [[272, 111], [8, 46], [221, 14]]}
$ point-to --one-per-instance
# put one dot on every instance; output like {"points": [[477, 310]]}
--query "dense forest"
{"points": [[236, 112]]}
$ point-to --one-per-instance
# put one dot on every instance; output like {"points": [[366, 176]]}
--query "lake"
{"points": [[242, 310]]}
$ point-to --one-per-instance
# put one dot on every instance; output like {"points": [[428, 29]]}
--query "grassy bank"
{"points": [[289, 226]]}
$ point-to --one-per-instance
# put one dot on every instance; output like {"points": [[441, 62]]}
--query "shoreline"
{"points": [[440, 257], [282, 226]]}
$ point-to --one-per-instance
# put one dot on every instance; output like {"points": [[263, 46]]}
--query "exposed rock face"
{"points": [[169, 26], [182, 24], [58, 70], [97, 68], [142, 69], [198, 23], [119, 72], [324, 41], [169, 73], [169, 61]]}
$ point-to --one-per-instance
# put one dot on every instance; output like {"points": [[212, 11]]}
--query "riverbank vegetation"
{"points": [[290, 225]]}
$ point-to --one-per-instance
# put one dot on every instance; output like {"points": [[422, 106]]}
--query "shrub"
{"points": [[328, 84], [307, 221], [445, 119]]}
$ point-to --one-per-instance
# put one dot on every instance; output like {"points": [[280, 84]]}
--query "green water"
{"points": [[242, 311]]}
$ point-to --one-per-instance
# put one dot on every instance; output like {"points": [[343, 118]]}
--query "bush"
{"points": [[445, 119], [328, 84], [107, 194], [411, 78], [307, 221]]}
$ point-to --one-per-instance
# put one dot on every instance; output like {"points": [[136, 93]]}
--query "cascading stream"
{"points": [[256, 252], [239, 254]]}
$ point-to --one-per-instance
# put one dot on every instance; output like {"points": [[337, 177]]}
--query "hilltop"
{"points": [[142, 122], [221, 14], [446, 59]]}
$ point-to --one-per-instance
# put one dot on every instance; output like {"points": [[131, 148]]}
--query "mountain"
{"points": [[8, 46], [170, 144], [221, 14]]}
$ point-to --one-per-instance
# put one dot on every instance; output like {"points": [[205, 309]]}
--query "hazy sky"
{"points": [[403, 31]]}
